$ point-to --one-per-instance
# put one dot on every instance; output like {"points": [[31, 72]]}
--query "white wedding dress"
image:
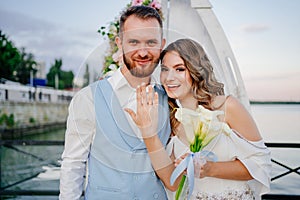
{"points": [[230, 146]]}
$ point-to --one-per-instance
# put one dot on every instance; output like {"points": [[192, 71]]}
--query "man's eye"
{"points": [[152, 43], [133, 42]]}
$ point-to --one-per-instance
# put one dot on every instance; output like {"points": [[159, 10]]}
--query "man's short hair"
{"points": [[142, 12]]}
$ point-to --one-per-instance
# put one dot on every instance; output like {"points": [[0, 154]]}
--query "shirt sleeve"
{"points": [[78, 139], [256, 157]]}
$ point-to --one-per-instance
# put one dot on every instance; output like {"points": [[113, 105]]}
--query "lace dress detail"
{"points": [[230, 194]]}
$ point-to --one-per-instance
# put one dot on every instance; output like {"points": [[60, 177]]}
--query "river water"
{"points": [[40, 162], [277, 123]]}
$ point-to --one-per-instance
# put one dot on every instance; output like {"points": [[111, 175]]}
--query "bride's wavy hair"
{"points": [[204, 83]]}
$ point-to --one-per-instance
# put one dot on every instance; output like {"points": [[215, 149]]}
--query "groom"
{"points": [[100, 133]]}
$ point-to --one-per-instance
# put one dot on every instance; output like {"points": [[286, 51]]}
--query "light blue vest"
{"points": [[119, 166]]}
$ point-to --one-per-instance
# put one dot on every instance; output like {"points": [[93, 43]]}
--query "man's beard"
{"points": [[140, 72]]}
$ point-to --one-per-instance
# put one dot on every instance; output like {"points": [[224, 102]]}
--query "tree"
{"points": [[15, 65], [68, 77], [55, 70], [86, 76], [25, 67], [65, 78], [9, 58]]}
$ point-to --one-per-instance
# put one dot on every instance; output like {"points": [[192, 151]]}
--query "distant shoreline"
{"points": [[274, 102]]}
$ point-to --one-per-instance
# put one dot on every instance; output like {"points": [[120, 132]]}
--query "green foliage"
{"points": [[8, 120], [15, 65], [31, 120], [9, 58], [24, 68], [86, 76], [65, 78], [2, 118], [46, 118]]}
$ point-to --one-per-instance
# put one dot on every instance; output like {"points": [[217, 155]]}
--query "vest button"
{"points": [[155, 195], [135, 198]]}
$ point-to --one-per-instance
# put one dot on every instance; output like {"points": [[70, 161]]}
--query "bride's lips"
{"points": [[172, 86]]}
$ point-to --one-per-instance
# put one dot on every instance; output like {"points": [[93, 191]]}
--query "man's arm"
{"points": [[78, 138]]}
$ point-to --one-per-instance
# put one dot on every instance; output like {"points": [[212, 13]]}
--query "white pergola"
{"points": [[195, 19]]}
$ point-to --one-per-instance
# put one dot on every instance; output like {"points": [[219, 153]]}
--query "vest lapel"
{"points": [[122, 128]]}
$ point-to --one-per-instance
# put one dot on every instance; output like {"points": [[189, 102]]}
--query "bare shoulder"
{"points": [[239, 119], [218, 102], [233, 104]]}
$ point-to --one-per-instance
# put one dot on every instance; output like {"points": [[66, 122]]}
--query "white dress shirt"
{"points": [[81, 130]]}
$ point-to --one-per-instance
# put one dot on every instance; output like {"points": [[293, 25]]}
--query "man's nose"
{"points": [[142, 51]]}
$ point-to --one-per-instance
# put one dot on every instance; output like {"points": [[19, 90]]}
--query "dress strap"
{"points": [[224, 104]]}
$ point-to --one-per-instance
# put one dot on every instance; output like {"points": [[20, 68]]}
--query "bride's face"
{"points": [[175, 77]]}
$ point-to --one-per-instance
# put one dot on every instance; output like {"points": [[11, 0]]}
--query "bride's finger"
{"points": [[155, 101], [131, 113], [150, 97], [143, 94], [138, 95]]}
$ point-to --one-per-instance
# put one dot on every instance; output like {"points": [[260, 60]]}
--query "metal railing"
{"points": [[290, 170], [5, 191]]}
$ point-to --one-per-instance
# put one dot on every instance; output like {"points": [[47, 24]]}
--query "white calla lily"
{"points": [[193, 119]]}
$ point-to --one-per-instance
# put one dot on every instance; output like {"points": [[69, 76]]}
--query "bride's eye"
{"points": [[180, 69], [163, 69]]}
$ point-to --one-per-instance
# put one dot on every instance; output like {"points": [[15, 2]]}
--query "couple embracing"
{"points": [[130, 132]]}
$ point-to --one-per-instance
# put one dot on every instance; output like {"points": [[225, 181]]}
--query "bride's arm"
{"points": [[238, 118], [161, 162], [146, 119]]}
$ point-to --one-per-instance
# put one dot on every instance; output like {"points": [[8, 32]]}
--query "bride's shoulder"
{"points": [[221, 102], [218, 102]]}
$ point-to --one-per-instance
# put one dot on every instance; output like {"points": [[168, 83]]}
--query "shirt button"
{"points": [[136, 177], [155, 195], [135, 198]]}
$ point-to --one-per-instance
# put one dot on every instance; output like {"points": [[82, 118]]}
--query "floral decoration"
{"points": [[113, 58]]}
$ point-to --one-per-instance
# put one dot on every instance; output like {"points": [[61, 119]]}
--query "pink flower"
{"points": [[136, 2], [155, 4]]}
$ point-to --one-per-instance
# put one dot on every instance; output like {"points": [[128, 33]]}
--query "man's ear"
{"points": [[118, 41], [163, 43]]}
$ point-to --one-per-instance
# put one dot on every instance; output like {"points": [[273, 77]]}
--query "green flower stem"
{"points": [[179, 190]]}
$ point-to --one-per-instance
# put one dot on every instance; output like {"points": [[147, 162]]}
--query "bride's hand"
{"points": [[146, 116], [205, 169]]}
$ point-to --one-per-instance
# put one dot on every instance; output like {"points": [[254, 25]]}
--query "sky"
{"points": [[263, 34]]}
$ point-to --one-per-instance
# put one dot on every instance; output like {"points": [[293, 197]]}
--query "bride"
{"points": [[242, 168]]}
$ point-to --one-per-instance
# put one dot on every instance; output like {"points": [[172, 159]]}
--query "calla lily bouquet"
{"points": [[201, 127]]}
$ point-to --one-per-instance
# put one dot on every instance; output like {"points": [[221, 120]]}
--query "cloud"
{"points": [[17, 23], [284, 87], [255, 28], [47, 40], [292, 75]]}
